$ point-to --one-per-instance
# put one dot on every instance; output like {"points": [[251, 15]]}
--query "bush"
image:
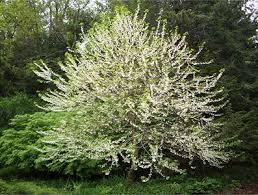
{"points": [[15, 105], [17, 144], [20, 145], [206, 186]]}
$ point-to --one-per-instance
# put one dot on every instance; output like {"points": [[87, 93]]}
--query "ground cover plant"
{"points": [[182, 184]]}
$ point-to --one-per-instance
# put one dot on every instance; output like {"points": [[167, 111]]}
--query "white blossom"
{"points": [[154, 106]]}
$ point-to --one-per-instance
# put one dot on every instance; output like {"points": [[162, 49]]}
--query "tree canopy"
{"points": [[147, 83]]}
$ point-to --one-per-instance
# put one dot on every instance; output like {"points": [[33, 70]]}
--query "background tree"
{"points": [[19, 40], [32, 30]]}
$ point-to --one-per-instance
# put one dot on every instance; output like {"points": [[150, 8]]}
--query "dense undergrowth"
{"points": [[207, 183]]}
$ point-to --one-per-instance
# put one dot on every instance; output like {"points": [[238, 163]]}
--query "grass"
{"points": [[115, 185], [225, 180], [27, 187]]}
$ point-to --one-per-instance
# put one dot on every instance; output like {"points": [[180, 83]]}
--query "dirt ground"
{"points": [[247, 189], [251, 188]]}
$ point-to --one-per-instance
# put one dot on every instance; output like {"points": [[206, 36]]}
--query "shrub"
{"points": [[16, 105], [17, 144], [206, 186], [21, 143]]}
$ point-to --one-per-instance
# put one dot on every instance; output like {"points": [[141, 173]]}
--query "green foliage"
{"points": [[206, 186], [19, 40], [246, 125], [31, 30], [116, 185], [26, 187], [16, 105], [20, 145], [224, 181], [58, 156], [18, 142], [182, 184]]}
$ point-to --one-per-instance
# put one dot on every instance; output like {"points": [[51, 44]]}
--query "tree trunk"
{"points": [[131, 175]]}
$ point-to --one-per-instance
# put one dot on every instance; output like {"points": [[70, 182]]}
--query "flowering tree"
{"points": [[138, 97]]}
